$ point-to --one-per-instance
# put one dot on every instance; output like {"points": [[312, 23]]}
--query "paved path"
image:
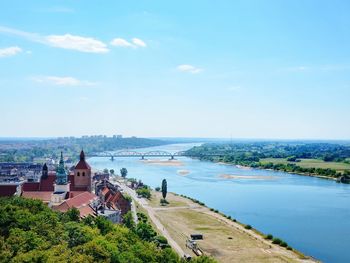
{"points": [[144, 204]]}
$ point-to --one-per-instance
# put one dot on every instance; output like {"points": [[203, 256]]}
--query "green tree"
{"points": [[73, 214], [105, 171], [145, 231], [128, 220], [123, 172], [164, 188], [111, 171], [104, 225]]}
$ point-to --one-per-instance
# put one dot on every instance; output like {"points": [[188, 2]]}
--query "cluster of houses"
{"points": [[62, 190], [11, 171]]}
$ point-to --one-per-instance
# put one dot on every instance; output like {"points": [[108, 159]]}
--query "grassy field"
{"points": [[172, 199], [226, 242], [311, 163]]}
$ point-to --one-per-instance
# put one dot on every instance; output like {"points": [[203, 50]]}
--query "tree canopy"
{"points": [[31, 232]]}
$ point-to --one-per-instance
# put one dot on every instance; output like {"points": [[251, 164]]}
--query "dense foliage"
{"points": [[250, 154], [27, 150], [31, 232], [144, 191]]}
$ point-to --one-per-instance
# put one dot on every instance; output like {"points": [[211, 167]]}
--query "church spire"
{"points": [[82, 155], [61, 159], [61, 174]]}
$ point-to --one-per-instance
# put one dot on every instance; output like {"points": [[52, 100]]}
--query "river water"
{"points": [[310, 214]]}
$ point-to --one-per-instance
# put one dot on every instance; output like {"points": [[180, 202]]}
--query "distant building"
{"points": [[112, 198]]}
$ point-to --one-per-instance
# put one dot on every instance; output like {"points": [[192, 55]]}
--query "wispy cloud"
{"points": [[189, 69], [138, 42], [9, 51], [62, 81], [67, 41], [121, 42], [83, 44]]}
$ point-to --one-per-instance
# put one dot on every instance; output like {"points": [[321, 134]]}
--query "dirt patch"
{"points": [[183, 172]]}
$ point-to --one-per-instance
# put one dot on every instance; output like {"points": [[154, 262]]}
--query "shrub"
{"points": [[289, 248], [144, 192], [157, 189], [248, 227], [276, 241], [283, 244], [269, 236], [163, 201]]}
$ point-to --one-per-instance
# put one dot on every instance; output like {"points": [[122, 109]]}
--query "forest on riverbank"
{"points": [[322, 159], [15, 150]]}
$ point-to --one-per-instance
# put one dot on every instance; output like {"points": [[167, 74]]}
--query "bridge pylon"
{"points": [[112, 158]]}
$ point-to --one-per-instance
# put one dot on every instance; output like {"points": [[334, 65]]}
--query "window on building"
{"points": [[83, 173], [78, 174]]}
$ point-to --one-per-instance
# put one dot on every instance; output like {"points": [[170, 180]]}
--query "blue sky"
{"points": [[246, 69]]}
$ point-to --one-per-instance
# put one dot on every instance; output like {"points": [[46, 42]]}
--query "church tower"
{"points": [[61, 185], [82, 174], [44, 172]]}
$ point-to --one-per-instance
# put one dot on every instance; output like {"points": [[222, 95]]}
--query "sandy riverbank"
{"points": [[183, 172], [163, 162]]}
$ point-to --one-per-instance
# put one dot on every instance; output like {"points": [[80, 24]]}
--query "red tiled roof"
{"points": [[82, 164], [80, 200], [86, 210], [42, 195], [75, 193]]}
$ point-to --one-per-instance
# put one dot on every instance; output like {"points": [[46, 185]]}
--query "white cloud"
{"points": [[67, 41], [62, 81], [120, 42], [83, 44], [138, 42], [9, 51], [189, 69]]}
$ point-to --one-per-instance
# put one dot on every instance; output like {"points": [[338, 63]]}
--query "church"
{"points": [[61, 189]]}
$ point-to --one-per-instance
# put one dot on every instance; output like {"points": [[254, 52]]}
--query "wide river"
{"points": [[310, 214]]}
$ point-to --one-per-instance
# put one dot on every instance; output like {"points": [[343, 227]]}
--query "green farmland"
{"points": [[310, 163]]}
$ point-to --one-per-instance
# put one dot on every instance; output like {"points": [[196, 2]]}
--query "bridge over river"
{"points": [[143, 155]]}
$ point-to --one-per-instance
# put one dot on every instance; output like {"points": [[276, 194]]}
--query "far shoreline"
{"points": [[239, 166]]}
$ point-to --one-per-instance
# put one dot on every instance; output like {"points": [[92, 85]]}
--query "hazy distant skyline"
{"points": [[240, 69]]}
